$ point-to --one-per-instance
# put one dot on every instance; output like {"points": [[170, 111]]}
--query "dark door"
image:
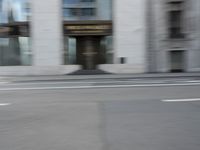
{"points": [[88, 52], [177, 61]]}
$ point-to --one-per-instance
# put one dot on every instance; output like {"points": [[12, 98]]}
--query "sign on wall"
{"points": [[72, 28], [87, 28]]}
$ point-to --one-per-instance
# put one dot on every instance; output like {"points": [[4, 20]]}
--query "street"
{"points": [[103, 114]]}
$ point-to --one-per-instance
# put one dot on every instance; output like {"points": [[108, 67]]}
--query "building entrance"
{"points": [[88, 43], [177, 61], [89, 52]]}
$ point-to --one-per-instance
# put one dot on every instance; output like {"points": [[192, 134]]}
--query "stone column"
{"points": [[130, 33], [46, 32]]}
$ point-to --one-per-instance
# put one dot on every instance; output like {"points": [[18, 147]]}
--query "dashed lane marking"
{"points": [[182, 100], [5, 104]]}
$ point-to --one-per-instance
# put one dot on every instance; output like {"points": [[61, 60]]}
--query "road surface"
{"points": [[103, 114]]}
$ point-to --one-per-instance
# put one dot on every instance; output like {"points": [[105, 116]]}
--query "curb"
{"points": [[97, 77]]}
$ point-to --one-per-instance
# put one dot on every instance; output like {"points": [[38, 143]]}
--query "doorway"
{"points": [[177, 61], [89, 53]]}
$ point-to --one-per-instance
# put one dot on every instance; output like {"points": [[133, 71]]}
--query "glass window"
{"points": [[71, 12], [175, 19], [91, 9], [15, 51], [0, 5], [107, 48], [88, 1], [175, 24], [25, 51], [14, 45], [88, 12], [79, 13], [71, 1], [70, 50], [14, 10]]}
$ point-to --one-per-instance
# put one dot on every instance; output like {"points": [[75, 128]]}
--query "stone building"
{"points": [[173, 35], [130, 36]]}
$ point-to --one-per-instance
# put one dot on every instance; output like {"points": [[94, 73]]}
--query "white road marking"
{"points": [[193, 81], [97, 86], [182, 100], [5, 104], [50, 83], [2, 82]]}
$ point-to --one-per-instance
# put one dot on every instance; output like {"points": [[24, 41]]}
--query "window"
{"points": [[175, 24], [14, 44], [1, 15], [76, 12], [79, 9], [88, 1], [88, 11], [77, 1], [0, 5], [71, 12], [26, 7], [175, 19], [176, 5], [71, 1]]}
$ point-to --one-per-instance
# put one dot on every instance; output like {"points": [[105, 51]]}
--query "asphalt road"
{"points": [[161, 114]]}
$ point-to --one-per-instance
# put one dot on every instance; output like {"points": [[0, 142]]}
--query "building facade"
{"points": [[112, 35], [173, 36]]}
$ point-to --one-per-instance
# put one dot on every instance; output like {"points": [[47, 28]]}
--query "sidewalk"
{"points": [[97, 77]]}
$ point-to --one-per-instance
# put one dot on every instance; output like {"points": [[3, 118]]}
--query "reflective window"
{"points": [[0, 5], [14, 41], [87, 9], [15, 51], [71, 1], [80, 9], [80, 13], [87, 1], [175, 20], [107, 47], [14, 10], [71, 12], [70, 50]]}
